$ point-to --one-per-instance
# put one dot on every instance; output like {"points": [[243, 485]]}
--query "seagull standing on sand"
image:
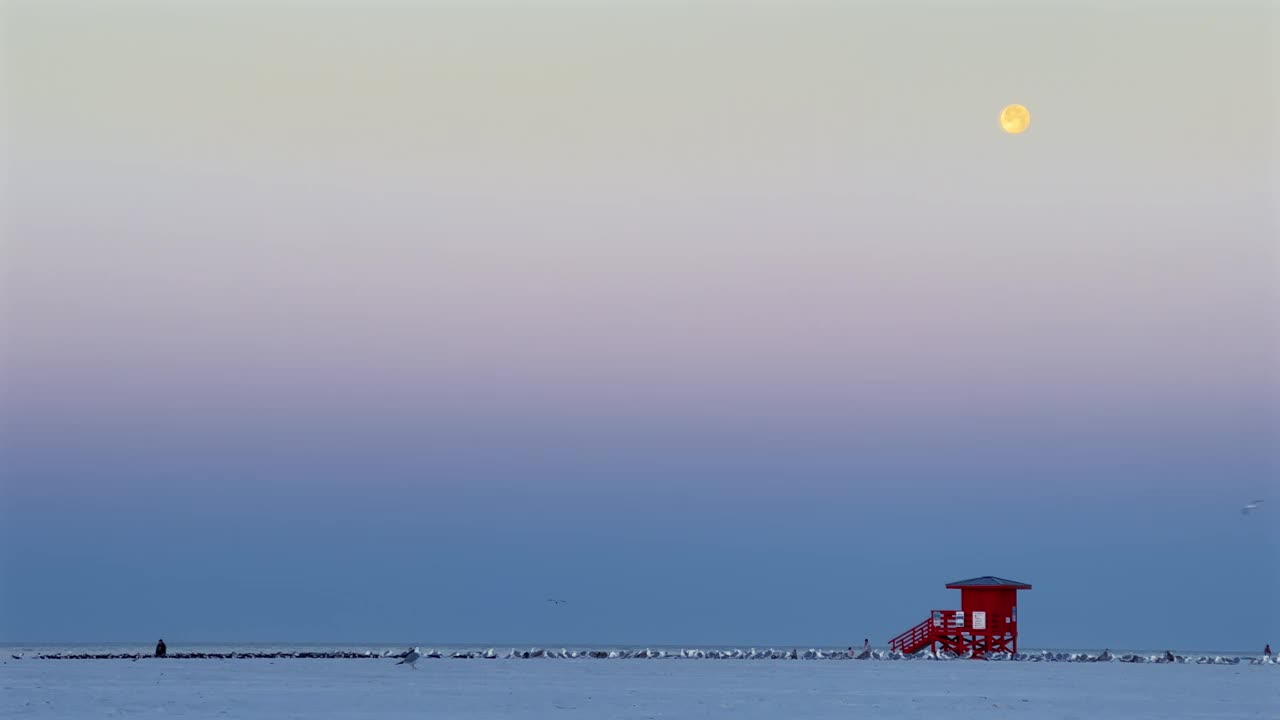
{"points": [[411, 658], [1251, 506]]}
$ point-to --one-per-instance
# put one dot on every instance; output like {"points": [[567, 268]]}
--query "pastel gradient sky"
{"points": [[727, 323]]}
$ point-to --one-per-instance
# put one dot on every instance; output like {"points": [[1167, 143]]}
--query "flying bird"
{"points": [[553, 601], [1251, 506], [411, 658]]}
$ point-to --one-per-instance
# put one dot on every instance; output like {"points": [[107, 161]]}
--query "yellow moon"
{"points": [[1015, 119]]}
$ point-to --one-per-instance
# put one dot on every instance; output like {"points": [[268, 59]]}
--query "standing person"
{"points": [[1267, 653], [866, 650], [161, 650]]}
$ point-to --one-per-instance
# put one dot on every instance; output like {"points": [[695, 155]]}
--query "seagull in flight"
{"points": [[554, 601], [1251, 506], [411, 658]]}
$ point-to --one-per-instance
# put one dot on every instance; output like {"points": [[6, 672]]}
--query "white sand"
{"points": [[631, 689]]}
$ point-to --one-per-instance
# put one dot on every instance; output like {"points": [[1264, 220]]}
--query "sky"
{"points": [[727, 324]]}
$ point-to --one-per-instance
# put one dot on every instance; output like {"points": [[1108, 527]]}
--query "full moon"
{"points": [[1015, 119]]}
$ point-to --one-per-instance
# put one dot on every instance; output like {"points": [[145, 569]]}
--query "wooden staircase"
{"points": [[943, 627], [915, 639]]}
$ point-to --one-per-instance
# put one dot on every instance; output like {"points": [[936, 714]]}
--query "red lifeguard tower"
{"points": [[986, 622]]}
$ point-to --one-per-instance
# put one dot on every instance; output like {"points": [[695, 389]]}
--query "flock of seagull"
{"points": [[413, 655]]}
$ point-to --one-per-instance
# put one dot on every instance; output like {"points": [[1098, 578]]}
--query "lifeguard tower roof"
{"points": [[988, 581]]}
